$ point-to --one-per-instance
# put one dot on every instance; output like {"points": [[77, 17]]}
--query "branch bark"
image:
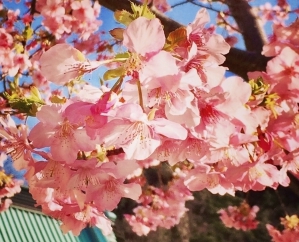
{"points": [[251, 29], [238, 61]]}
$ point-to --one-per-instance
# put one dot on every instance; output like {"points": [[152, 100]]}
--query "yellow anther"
{"points": [[258, 86], [290, 222], [270, 102], [4, 179]]}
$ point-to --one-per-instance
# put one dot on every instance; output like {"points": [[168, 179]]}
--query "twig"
{"points": [[179, 4]]}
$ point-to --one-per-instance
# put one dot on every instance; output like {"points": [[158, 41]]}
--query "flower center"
{"points": [[209, 114], [133, 64], [111, 185], [66, 129]]}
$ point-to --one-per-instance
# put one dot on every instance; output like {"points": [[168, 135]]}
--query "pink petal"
{"points": [[64, 149], [58, 63], [144, 36], [131, 190], [41, 135], [50, 114], [140, 149], [169, 129]]}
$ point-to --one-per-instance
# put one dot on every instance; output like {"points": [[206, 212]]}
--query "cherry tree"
{"points": [[176, 109]]}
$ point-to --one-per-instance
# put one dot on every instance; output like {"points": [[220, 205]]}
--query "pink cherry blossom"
{"points": [[147, 39], [284, 69], [53, 8], [52, 174], [145, 46], [89, 179], [14, 142], [92, 115], [171, 109], [173, 92], [254, 176], [242, 217], [283, 36], [89, 216], [212, 44], [290, 232], [63, 63], [112, 189], [203, 177], [136, 133], [64, 138], [159, 208], [81, 10], [6, 39]]}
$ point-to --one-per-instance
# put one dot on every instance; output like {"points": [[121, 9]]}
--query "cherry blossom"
{"points": [[242, 217], [137, 133], [14, 142], [64, 138], [63, 63], [163, 103], [290, 232]]}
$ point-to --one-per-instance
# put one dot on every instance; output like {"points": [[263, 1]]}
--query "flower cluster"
{"points": [[25, 36], [64, 17], [12, 58], [242, 217], [290, 232], [160, 207], [166, 102]]}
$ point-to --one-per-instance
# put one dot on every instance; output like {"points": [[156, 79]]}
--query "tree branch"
{"points": [[253, 34], [203, 6], [238, 61]]}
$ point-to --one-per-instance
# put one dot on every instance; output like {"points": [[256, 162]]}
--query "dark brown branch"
{"points": [[241, 62], [33, 9], [251, 30], [238, 61], [179, 4], [196, 3]]}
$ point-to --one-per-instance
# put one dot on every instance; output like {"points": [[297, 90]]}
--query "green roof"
{"points": [[22, 225], [24, 222]]}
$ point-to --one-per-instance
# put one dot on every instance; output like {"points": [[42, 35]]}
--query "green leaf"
{"points": [[14, 85], [114, 73], [24, 105], [123, 17], [142, 11], [124, 55], [35, 95], [28, 105]]}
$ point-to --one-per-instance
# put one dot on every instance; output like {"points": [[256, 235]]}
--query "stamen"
{"points": [[65, 129], [111, 185], [133, 64]]}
